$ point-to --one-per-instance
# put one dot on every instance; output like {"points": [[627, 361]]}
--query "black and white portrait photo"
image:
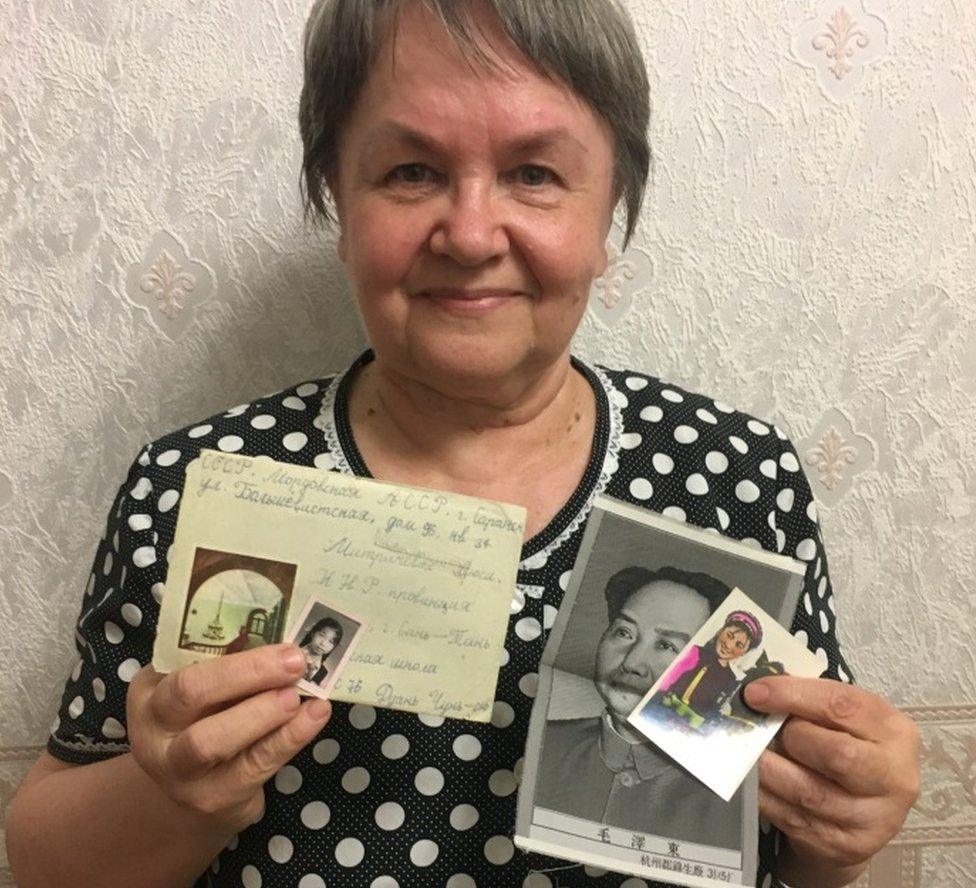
{"points": [[594, 785], [326, 637], [601, 768]]}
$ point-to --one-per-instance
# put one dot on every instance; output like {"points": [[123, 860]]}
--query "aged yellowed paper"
{"points": [[430, 574]]}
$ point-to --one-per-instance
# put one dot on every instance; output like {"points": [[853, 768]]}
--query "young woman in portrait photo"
{"points": [[700, 682], [317, 644]]}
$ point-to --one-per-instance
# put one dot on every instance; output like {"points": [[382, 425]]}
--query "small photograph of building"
{"points": [[235, 602]]}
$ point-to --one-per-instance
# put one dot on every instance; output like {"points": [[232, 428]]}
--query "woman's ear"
{"points": [[603, 260], [331, 184]]}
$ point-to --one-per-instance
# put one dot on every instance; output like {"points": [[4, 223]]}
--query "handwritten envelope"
{"points": [[430, 574]]}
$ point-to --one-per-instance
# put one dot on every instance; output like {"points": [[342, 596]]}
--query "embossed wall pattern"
{"points": [[806, 252]]}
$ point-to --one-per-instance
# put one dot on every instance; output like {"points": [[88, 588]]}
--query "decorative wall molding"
{"points": [[838, 43], [19, 753], [612, 293], [833, 454], [893, 867], [945, 813], [949, 714], [168, 285], [610, 287], [628, 280]]}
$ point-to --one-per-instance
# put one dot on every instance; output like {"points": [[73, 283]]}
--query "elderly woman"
{"points": [[475, 153]]}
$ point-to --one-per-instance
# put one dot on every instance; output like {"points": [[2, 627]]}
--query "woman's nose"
{"points": [[470, 229]]}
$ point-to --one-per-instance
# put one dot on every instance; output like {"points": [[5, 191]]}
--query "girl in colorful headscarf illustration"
{"points": [[699, 684]]}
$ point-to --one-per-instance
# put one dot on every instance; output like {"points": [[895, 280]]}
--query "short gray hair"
{"points": [[590, 45]]}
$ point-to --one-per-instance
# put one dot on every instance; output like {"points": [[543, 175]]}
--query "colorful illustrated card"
{"points": [[695, 711], [427, 577], [327, 637]]}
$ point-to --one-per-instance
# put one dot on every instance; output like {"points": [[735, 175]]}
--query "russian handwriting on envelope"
{"points": [[431, 574]]}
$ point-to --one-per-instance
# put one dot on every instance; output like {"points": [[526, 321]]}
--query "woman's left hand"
{"points": [[845, 771]]}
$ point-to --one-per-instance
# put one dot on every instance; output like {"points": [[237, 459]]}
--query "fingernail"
{"points": [[289, 699], [293, 659], [757, 692], [318, 708]]}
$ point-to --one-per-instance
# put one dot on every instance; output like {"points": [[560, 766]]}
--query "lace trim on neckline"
{"points": [[325, 421]]}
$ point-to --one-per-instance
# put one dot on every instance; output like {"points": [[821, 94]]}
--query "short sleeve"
{"points": [[815, 620], [116, 626]]}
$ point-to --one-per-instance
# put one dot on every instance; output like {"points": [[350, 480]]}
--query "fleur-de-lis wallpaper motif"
{"points": [[830, 457], [169, 283], [840, 40], [609, 286]]}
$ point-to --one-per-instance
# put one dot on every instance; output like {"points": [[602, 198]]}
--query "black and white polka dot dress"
{"points": [[382, 798]]}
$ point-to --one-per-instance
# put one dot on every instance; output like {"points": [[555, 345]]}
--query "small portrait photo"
{"points": [[697, 692], [695, 711], [327, 637], [235, 602]]}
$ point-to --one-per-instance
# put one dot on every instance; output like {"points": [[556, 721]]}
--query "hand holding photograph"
{"points": [[695, 711]]}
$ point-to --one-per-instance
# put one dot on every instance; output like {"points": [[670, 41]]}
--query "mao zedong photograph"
{"points": [[604, 770]]}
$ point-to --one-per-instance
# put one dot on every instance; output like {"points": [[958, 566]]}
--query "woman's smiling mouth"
{"points": [[469, 303]]}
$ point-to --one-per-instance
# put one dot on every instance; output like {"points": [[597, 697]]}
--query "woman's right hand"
{"points": [[211, 734]]}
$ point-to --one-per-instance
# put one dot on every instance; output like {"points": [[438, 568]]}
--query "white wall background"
{"points": [[807, 252]]}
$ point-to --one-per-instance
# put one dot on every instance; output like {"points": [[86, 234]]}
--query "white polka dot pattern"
{"points": [[349, 852], [325, 751], [315, 815], [390, 816], [386, 799], [641, 489], [464, 817], [429, 781]]}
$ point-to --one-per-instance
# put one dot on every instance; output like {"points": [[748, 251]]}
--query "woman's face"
{"points": [[455, 179], [731, 643], [323, 641]]}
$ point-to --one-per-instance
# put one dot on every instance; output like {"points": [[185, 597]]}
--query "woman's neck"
{"points": [[411, 431]]}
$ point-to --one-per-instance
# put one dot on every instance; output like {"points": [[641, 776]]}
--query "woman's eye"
{"points": [[410, 173], [534, 175]]}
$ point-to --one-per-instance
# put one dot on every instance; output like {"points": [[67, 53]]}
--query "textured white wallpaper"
{"points": [[807, 252]]}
